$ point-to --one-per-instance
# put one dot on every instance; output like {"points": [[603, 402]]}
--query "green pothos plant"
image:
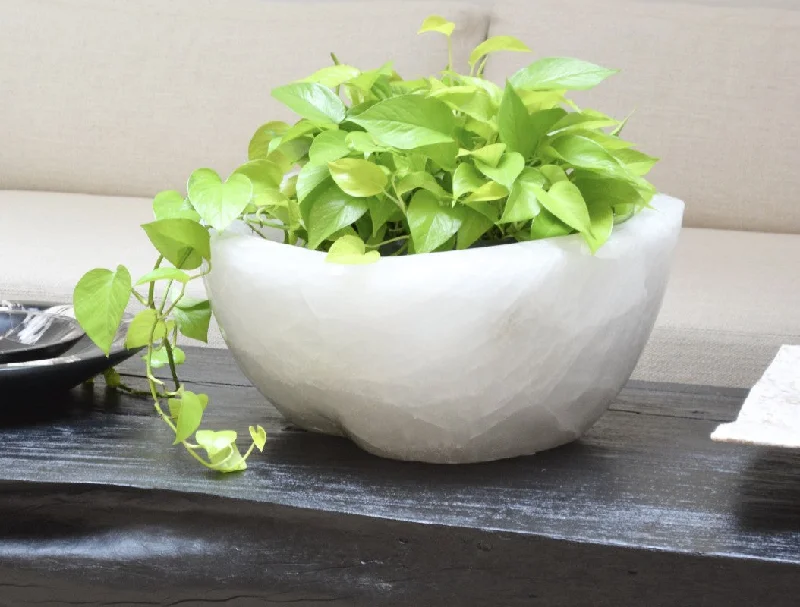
{"points": [[376, 165]]}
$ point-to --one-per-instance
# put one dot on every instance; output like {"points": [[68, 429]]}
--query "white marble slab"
{"points": [[771, 413]]}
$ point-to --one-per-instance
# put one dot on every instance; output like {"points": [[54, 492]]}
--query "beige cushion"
{"points": [[716, 89], [733, 298], [127, 98]]}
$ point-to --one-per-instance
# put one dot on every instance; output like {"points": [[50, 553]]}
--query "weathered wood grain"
{"points": [[645, 510]]}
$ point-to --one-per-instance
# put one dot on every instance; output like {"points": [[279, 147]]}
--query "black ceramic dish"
{"points": [[79, 362], [29, 335]]}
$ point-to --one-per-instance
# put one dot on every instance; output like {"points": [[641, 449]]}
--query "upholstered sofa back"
{"points": [[127, 98], [715, 85]]}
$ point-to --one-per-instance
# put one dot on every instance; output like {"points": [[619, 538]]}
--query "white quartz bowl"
{"points": [[454, 357]]}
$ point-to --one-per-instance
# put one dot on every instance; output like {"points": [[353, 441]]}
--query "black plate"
{"points": [[80, 362], [30, 334]]}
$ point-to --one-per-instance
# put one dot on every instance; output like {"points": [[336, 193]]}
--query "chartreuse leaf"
{"points": [[259, 436], [193, 317], [489, 154], [420, 179], [164, 274], [602, 220], [172, 205], [553, 172], [188, 411], [145, 329], [547, 225], [584, 153], [443, 154], [330, 210], [586, 119], [218, 203], [328, 146], [359, 178], [300, 129], [309, 178], [380, 211], [408, 121], [221, 449], [635, 161], [435, 23], [265, 178], [470, 100], [334, 75], [495, 44], [160, 358], [350, 250], [311, 100], [474, 224], [490, 88], [99, 301], [431, 223], [514, 124], [564, 200], [506, 172], [359, 141], [466, 179], [260, 141], [488, 191], [553, 73], [537, 101], [523, 204], [182, 242], [609, 142]]}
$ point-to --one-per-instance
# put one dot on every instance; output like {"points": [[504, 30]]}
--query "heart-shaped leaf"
{"points": [[602, 218], [495, 44], [182, 242], [350, 250], [435, 23], [474, 224], [514, 123], [172, 205], [259, 144], [99, 301], [218, 203], [466, 179], [506, 172], [522, 203], [408, 121], [193, 317], [547, 225], [259, 436], [431, 223], [554, 73], [360, 178], [311, 100], [189, 408], [334, 75], [330, 210], [488, 191], [564, 200], [328, 146], [164, 274], [145, 329]]}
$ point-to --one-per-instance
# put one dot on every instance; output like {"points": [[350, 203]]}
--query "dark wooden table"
{"points": [[97, 509]]}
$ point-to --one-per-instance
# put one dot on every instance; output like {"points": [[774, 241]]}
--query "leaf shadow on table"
{"points": [[769, 491]]}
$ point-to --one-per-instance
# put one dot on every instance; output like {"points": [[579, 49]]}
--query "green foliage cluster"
{"points": [[377, 165]]}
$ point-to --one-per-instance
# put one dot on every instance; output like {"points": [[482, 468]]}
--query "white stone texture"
{"points": [[770, 415], [452, 357]]}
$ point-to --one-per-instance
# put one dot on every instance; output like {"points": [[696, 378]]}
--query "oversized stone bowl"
{"points": [[454, 357]]}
